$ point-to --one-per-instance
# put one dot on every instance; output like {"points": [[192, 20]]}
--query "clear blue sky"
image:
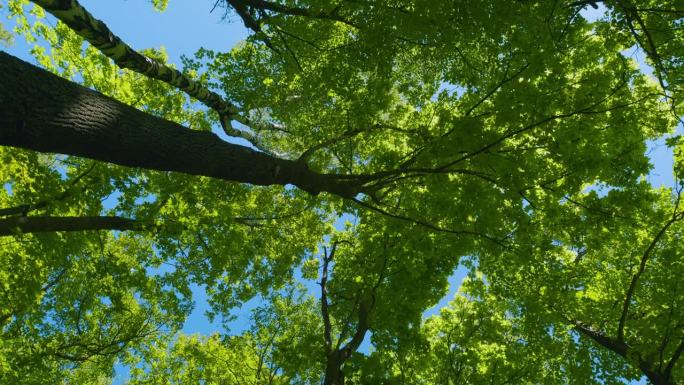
{"points": [[187, 25]]}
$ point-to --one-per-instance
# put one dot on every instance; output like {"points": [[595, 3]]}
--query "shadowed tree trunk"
{"points": [[14, 225], [43, 112]]}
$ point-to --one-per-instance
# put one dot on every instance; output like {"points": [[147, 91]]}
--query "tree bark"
{"points": [[19, 225], [335, 359], [623, 350], [43, 112], [333, 368]]}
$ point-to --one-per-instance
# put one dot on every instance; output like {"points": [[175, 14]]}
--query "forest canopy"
{"points": [[374, 148]]}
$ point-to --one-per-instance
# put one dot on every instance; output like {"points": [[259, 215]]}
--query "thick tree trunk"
{"points": [[18, 225], [623, 350], [333, 368], [43, 112], [335, 359]]}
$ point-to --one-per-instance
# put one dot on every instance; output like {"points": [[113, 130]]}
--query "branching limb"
{"points": [[22, 225], [647, 43], [50, 111], [80, 351], [622, 349], [71, 13], [676, 216], [327, 327]]}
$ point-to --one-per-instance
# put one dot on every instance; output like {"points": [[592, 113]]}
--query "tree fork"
{"points": [[41, 111]]}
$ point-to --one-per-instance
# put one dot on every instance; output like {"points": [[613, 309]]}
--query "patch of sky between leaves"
{"points": [[449, 89], [592, 14]]}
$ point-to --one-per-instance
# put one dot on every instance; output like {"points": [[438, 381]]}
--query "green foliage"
{"points": [[160, 5], [505, 136], [6, 37]]}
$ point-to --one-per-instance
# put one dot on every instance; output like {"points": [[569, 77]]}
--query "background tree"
{"points": [[610, 270]]}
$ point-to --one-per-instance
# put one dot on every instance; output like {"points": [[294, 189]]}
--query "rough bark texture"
{"points": [[19, 225], [43, 112]]}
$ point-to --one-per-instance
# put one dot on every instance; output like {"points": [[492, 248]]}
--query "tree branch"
{"points": [[496, 88], [620, 348], [27, 208], [642, 266], [291, 11], [670, 365], [428, 225], [71, 13], [651, 50], [22, 225], [43, 112], [327, 258]]}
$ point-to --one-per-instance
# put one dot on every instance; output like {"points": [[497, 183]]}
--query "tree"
{"points": [[611, 273], [445, 129]]}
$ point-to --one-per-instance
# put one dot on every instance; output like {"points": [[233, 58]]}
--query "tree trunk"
{"points": [[333, 368], [43, 112]]}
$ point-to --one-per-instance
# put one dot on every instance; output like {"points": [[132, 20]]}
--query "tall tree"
{"points": [[445, 129]]}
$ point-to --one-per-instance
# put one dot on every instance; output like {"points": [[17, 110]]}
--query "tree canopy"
{"points": [[387, 143]]}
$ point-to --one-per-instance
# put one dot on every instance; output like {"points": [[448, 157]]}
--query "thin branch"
{"points": [[292, 11], [505, 80], [632, 14], [584, 111], [677, 216], [26, 208], [288, 49], [428, 225], [310, 151], [327, 258]]}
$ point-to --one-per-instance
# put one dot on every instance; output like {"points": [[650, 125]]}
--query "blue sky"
{"points": [[187, 25]]}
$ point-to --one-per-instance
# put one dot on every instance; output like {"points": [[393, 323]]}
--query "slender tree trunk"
{"points": [[43, 112]]}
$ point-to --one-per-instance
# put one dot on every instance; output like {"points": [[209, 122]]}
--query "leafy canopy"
{"points": [[508, 137]]}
